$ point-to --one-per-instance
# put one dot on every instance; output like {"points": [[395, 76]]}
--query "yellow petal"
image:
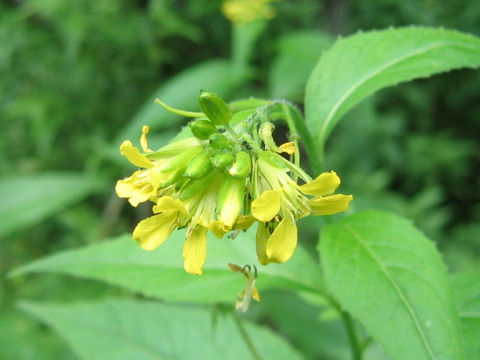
{"points": [[263, 234], [167, 203], [133, 155], [143, 138], [267, 205], [255, 294], [288, 148], [244, 222], [153, 231], [217, 228], [325, 184], [281, 244], [124, 188], [328, 205], [195, 250]]}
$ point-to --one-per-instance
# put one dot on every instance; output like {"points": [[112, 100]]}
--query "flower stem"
{"points": [[355, 346], [246, 338]]}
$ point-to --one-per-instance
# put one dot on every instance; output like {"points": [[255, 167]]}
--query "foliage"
{"points": [[80, 77]]}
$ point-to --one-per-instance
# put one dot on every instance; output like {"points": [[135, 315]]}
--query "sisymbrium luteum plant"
{"points": [[228, 174]]}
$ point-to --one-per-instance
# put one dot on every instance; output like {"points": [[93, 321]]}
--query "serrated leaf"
{"points": [[160, 273], [390, 276], [361, 64], [27, 200], [467, 292], [126, 329]]}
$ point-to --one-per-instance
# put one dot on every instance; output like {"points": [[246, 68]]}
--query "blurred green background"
{"points": [[78, 77]]}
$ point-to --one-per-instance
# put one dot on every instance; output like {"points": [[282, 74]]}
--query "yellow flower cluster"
{"points": [[224, 182], [244, 11]]}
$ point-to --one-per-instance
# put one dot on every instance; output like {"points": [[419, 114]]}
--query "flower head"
{"points": [[225, 177]]}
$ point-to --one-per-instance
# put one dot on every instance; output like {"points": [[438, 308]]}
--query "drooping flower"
{"points": [[225, 177], [280, 202]]}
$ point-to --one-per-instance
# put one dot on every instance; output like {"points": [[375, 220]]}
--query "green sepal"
{"points": [[199, 166], [215, 108], [242, 166], [219, 142], [181, 160], [194, 187], [273, 159], [222, 160], [203, 128], [172, 178]]}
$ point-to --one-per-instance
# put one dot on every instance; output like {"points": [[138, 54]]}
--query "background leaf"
{"points": [[160, 273], [298, 53], [182, 91], [390, 277], [467, 291], [123, 329], [359, 65], [27, 200]]}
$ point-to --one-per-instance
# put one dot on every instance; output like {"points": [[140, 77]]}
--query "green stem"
{"points": [[355, 346], [246, 338], [297, 127]]}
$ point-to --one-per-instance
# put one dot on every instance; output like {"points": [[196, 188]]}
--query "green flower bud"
{"points": [[199, 166], [194, 187], [219, 142], [222, 160], [215, 108], [202, 128], [181, 160], [242, 166]]}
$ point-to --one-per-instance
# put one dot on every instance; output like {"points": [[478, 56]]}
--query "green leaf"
{"points": [[26, 200], [126, 329], [160, 273], [390, 276], [467, 291], [182, 92], [298, 53], [361, 64], [244, 37]]}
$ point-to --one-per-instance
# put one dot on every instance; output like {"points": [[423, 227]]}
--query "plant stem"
{"points": [[246, 338], [355, 346]]}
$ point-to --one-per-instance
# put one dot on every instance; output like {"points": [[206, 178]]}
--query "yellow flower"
{"points": [[244, 11], [162, 168], [281, 201]]}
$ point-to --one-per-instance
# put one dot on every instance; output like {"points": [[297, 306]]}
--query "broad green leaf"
{"points": [[160, 272], [298, 53], [390, 276], [182, 92], [26, 200], [31, 341], [467, 291], [361, 64], [126, 329]]}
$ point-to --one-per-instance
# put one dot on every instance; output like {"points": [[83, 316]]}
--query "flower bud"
{"points": [[219, 142], [199, 166], [181, 160], [194, 187], [242, 166], [202, 128], [215, 108], [222, 160]]}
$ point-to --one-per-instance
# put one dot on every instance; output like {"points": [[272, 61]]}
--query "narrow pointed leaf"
{"points": [[361, 64]]}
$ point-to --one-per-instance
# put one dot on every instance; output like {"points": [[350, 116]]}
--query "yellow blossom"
{"points": [[244, 11]]}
